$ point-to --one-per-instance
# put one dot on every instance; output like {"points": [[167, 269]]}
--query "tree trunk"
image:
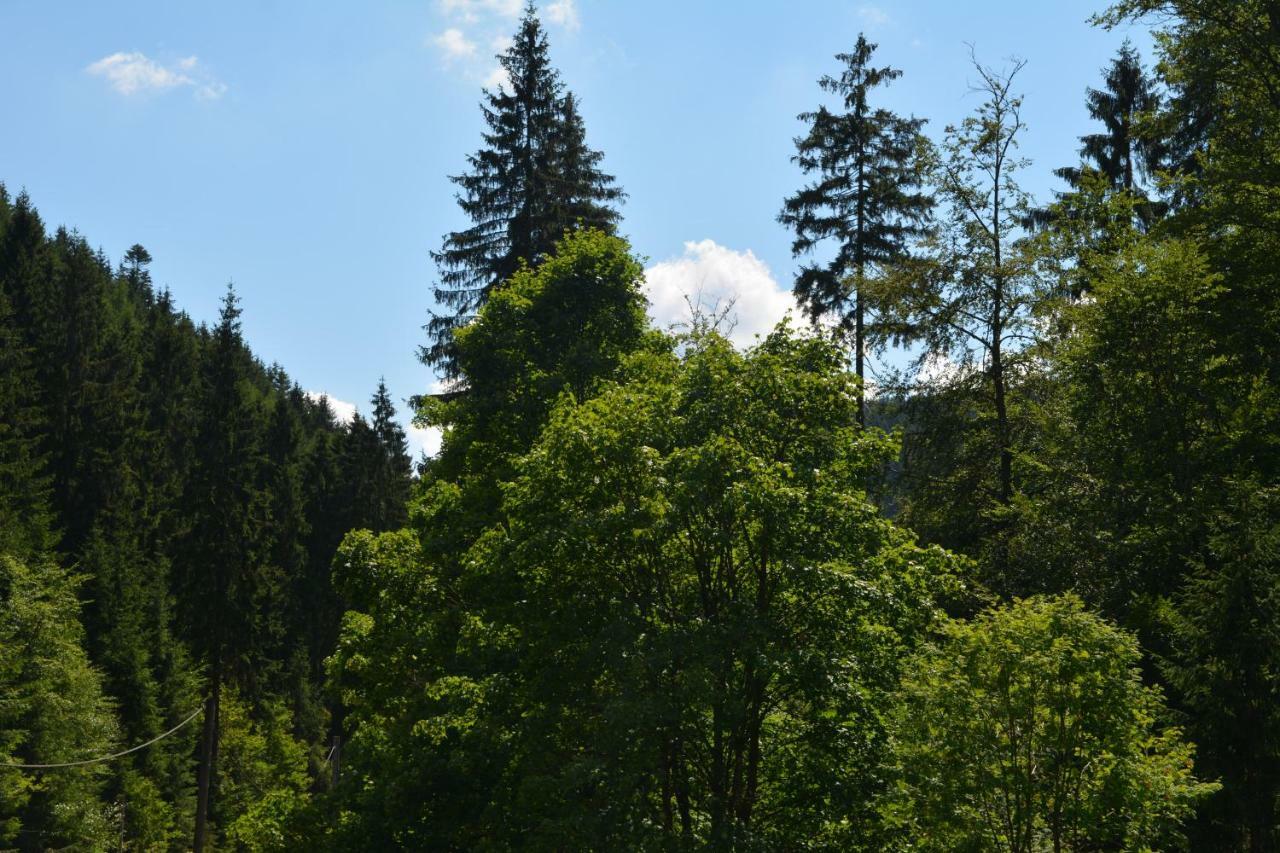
{"points": [[997, 336], [1002, 428], [208, 763], [859, 306], [858, 338]]}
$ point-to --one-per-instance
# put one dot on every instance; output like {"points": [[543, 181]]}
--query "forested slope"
{"points": [[169, 509]]}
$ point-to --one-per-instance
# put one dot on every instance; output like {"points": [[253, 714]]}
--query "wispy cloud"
{"points": [[497, 78], [471, 11], [454, 44], [471, 24], [564, 13], [873, 16], [710, 278], [135, 73]]}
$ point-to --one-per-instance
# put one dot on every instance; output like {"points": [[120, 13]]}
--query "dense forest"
{"points": [[656, 592]]}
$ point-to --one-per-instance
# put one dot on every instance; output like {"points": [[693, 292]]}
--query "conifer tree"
{"points": [[224, 586], [70, 317], [1121, 152], [53, 710], [26, 264], [1123, 156], [394, 468], [282, 481], [866, 197], [186, 483], [534, 178], [25, 518], [170, 388], [316, 604], [360, 455], [133, 270]]}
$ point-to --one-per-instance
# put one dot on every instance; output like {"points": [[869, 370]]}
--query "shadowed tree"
{"points": [[533, 179], [865, 200], [1125, 154]]}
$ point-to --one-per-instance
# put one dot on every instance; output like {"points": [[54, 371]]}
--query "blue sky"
{"points": [[301, 149]]}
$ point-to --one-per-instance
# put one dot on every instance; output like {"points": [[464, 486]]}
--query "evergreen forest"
{"points": [[1018, 590]]}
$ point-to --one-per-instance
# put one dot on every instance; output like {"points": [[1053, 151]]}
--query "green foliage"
{"points": [[25, 516], [969, 301], [264, 784], [715, 608], [559, 328], [192, 489], [682, 627], [1148, 410], [1228, 678], [52, 710], [643, 599], [1030, 729], [227, 583]]}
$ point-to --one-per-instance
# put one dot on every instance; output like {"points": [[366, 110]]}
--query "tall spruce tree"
{"points": [[1121, 152], [393, 473], [133, 270], [534, 178], [865, 199], [1124, 156], [25, 518], [224, 588]]}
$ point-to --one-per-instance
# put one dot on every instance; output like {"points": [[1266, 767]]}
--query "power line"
{"points": [[103, 758]]}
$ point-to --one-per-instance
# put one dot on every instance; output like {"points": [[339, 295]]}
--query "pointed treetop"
{"points": [[533, 179]]}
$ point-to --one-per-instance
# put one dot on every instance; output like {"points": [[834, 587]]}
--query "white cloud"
{"points": [[472, 10], [497, 77], [564, 13], [472, 25], [454, 44], [873, 16], [342, 410], [135, 73], [420, 439], [423, 440], [129, 73], [211, 91], [427, 439], [709, 276], [938, 370]]}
